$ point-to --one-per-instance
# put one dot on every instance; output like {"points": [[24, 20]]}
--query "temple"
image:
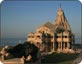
{"points": [[51, 37]]}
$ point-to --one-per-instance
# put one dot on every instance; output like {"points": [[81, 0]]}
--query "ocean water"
{"points": [[11, 41], [14, 41]]}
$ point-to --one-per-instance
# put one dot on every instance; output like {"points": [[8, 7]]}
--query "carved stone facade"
{"points": [[53, 37]]}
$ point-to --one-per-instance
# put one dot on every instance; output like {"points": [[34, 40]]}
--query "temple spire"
{"points": [[60, 6], [61, 20]]}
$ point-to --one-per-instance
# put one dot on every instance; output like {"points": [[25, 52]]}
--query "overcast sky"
{"points": [[20, 17]]}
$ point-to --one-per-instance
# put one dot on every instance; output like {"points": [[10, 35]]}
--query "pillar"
{"points": [[64, 45], [46, 48], [53, 46], [61, 45], [58, 46], [68, 45], [73, 40]]}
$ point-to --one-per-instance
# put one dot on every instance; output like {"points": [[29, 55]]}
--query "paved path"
{"points": [[12, 61]]}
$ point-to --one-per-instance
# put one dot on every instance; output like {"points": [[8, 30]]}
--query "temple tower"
{"points": [[63, 31]]}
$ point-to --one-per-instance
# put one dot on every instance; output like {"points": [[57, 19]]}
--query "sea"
{"points": [[11, 41], [15, 41]]}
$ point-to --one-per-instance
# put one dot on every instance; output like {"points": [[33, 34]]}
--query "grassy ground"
{"points": [[66, 62], [60, 58]]}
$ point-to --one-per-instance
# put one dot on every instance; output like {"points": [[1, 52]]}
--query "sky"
{"points": [[18, 18]]}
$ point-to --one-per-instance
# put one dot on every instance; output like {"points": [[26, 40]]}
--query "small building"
{"points": [[51, 37]]}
